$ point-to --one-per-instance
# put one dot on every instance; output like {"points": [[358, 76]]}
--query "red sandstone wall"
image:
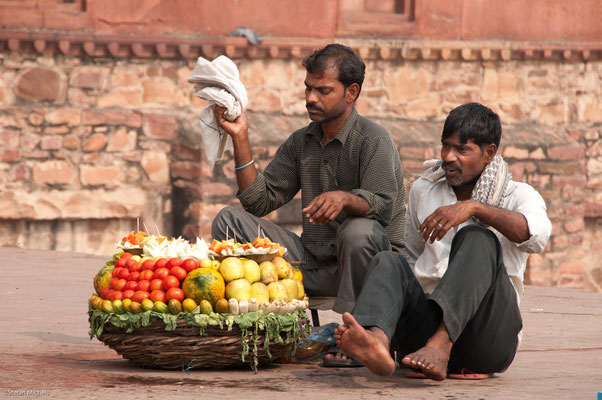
{"points": [[521, 20], [533, 20]]}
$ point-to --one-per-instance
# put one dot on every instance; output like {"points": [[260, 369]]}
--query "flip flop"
{"points": [[348, 362], [464, 374], [467, 374]]}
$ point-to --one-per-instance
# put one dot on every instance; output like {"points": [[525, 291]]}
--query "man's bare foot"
{"points": [[368, 346], [432, 359]]}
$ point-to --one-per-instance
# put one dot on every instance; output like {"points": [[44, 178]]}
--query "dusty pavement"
{"points": [[46, 352]]}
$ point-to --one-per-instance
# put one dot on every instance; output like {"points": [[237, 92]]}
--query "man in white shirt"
{"points": [[453, 307]]}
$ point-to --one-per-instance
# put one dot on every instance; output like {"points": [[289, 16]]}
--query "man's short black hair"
{"points": [[350, 67], [473, 121]]}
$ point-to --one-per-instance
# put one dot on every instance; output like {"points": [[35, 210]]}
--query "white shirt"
{"points": [[429, 261]]}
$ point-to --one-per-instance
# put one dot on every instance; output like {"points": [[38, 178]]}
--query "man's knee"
{"points": [[389, 263], [361, 232], [476, 233], [479, 241], [225, 216]]}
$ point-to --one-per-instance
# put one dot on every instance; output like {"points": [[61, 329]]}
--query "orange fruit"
{"points": [[204, 284], [103, 278], [189, 305]]}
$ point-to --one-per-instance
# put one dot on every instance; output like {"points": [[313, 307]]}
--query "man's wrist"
{"points": [[476, 208]]}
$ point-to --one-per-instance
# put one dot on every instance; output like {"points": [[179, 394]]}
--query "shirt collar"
{"points": [[315, 129]]}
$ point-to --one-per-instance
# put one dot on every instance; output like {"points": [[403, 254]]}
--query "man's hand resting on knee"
{"points": [[324, 208]]}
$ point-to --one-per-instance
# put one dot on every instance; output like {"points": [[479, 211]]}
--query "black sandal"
{"points": [[348, 362]]}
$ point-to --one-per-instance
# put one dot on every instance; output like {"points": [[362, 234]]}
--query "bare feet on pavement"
{"points": [[368, 346], [432, 359]]}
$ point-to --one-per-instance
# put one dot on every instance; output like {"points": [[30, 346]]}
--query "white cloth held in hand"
{"points": [[218, 82]]}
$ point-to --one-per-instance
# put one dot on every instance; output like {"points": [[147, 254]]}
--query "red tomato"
{"points": [[131, 285], [117, 295], [143, 285], [157, 295], [130, 263], [136, 267], [134, 276], [156, 284], [174, 262], [117, 271], [140, 295], [170, 282], [174, 293], [120, 284], [113, 282], [146, 275], [120, 263], [161, 273], [128, 294], [161, 263], [126, 255], [124, 273], [189, 264], [148, 265], [104, 293], [178, 272]]}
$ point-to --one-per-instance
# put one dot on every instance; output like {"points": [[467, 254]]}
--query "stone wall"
{"points": [[92, 146]]}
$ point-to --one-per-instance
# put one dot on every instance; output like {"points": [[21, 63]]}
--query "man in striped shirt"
{"points": [[349, 173]]}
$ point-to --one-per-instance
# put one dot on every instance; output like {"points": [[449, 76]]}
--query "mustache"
{"points": [[451, 165], [313, 106]]}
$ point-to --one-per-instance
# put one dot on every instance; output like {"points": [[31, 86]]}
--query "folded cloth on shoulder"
{"points": [[217, 81]]}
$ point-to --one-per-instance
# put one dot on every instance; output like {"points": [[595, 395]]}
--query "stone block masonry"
{"points": [[89, 145]]}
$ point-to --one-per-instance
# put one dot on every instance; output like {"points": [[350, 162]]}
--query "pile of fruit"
{"points": [[174, 277], [258, 246]]}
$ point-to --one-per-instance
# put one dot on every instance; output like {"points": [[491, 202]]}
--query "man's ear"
{"points": [[352, 92], [489, 152]]}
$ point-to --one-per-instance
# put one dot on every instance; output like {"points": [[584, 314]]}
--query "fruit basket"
{"points": [[170, 304], [197, 341]]}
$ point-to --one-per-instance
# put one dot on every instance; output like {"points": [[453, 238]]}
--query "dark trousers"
{"points": [[358, 241], [474, 298]]}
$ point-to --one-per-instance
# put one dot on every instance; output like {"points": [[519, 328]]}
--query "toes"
{"points": [[349, 320], [340, 329]]}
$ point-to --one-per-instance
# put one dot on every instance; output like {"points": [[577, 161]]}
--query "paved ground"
{"points": [[45, 350]]}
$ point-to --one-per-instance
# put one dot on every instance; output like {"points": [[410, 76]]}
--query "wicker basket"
{"points": [[184, 348]]}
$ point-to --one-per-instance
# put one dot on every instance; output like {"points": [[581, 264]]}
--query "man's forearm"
{"points": [[511, 224], [356, 206], [242, 156]]}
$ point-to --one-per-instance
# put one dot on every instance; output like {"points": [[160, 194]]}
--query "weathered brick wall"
{"points": [[89, 145]]}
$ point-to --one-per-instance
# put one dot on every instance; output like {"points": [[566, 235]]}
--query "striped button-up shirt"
{"points": [[362, 160]]}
